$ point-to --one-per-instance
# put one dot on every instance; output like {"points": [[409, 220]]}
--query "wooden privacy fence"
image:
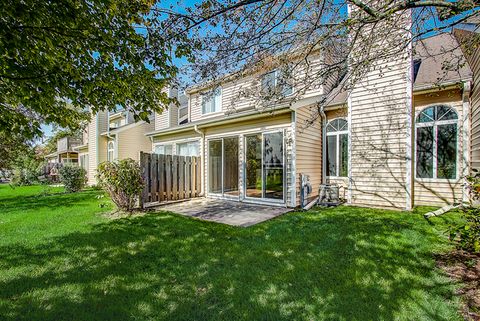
{"points": [[169, 177]]}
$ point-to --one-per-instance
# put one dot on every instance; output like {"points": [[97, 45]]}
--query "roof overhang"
{"points": [[121, 129], [80, 148], [217, 121]]}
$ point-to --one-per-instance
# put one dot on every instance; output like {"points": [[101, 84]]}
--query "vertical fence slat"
{"points": [[161, 178], [198, 173], [175, 177], [168, 175], [181, 178], [169, 178], [153, 177], [188, 176]]}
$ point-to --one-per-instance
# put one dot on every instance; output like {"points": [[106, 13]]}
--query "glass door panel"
{"points": [[273, 165], [230, 166], [253, 159], [215, 166]]}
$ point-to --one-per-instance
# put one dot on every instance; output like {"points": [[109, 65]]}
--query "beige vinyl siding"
{"points": [[96, 144], [475, 110], [131, 141], [162, 120], [379, 110], [243, 93], [440, 191], [308, 148], [175, 137]]}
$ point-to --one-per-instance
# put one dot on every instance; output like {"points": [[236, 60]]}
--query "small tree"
{"points": [[26, 170], [123, 181], [468, 233], [73, 178]]}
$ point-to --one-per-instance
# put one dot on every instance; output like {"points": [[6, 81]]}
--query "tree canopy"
{"points": [[60, 58], [63, 58]]}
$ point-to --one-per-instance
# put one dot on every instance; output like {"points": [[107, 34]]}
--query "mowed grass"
{"points": [[62, 260]]}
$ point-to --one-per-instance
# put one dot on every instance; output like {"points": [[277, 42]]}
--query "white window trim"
{"points": [[161, 144], [175, 151], [111, 149], [222, 194], [435, 125], [337, 156], [263, 199], [219, 111]]}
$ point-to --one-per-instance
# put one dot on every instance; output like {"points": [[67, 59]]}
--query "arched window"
{"points": [[436, 143], [337, 148], [110, 151]]}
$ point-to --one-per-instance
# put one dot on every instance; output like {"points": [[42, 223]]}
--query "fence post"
{"points": [[143, 194]]}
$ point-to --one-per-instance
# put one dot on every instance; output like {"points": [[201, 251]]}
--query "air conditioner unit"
{"points": [[329, 195]]}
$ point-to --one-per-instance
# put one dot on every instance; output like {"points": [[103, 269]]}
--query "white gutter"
{"points": [[324, 143]]}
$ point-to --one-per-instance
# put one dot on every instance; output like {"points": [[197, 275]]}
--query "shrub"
{"points": [[26, 171], [468, 232], [72, 177], [123, 181]]}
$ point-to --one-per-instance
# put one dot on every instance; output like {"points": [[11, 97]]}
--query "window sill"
{"points": [[438, 180], [212, 114]]}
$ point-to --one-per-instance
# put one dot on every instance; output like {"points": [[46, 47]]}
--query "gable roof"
{"points": [[439, 60]]}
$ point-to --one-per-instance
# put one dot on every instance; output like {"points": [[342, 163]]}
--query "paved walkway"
{"points": [[226, 212]]}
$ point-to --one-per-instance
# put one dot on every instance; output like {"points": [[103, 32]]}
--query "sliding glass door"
{"points": [[264, 174], [223, 166]]}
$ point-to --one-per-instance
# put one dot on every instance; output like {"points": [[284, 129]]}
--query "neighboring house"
{"points": [[112, 136], [404, 138], [66, 151]]}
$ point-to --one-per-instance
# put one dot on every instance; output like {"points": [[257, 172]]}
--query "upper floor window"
{"points": [[212, 101], [166, 149], [110, 151], [337, 148], [436, 143], [188, 149], [275, 83]]}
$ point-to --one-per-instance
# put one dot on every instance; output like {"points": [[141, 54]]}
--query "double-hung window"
{"points": [[436, 143], [337, 148], [163, 149], [188, 149], [212, 101], [275, 83]]}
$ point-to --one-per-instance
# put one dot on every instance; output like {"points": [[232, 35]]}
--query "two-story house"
{"points": [[402, 136], [110, 136]]}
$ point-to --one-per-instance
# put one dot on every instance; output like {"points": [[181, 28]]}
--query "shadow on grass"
{"points": [[39, 202], [333, 265]]}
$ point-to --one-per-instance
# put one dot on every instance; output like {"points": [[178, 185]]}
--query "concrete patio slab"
{"points": [[224, 211]]}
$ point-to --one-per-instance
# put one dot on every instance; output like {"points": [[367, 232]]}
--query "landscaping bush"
{"points": [[123, 181], [26, 171], [468, 233], [73, 177]]}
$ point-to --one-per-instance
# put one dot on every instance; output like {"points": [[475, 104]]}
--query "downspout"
{"points": [[324, 143], [202, 149]]}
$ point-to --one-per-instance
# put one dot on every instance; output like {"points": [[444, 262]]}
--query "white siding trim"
{"points": [[409, 185], [466, 128], [349, 119], [293, 182]]}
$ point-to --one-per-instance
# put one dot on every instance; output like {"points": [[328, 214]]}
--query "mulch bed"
{"points": [[464, 268]]}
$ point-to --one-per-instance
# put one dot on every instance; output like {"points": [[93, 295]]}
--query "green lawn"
{"points": [[61, 260]]}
